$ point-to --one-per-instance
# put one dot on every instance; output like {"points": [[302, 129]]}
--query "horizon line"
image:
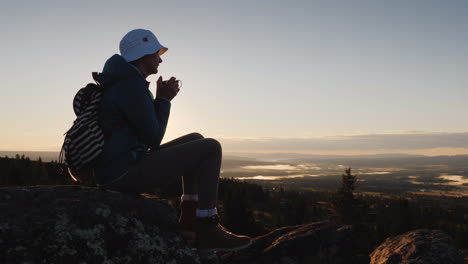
{"points": [[431, 152]]}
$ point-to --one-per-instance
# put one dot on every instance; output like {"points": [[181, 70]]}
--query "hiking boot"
{"points": [[188, 212], [212, 236]]}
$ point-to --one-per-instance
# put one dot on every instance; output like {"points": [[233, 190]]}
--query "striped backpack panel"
{"points": [[85, 139]]}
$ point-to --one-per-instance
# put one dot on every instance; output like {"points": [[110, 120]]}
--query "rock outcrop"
{"points": [[320, 242], [73, 224], [417, 247]]}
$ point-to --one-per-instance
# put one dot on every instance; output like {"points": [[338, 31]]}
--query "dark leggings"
{"points": [[194, 158]]}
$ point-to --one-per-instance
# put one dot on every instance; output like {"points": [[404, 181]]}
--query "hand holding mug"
{"points": [[169, 88]]}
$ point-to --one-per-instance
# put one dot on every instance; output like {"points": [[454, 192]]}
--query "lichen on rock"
{"points": [[74, 224], [417, 247]]}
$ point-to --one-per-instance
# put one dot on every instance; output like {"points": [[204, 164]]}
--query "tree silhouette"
{"points": [[342, 201]]}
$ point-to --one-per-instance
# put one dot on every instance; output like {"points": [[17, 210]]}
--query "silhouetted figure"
{"points": [[133, 161]]}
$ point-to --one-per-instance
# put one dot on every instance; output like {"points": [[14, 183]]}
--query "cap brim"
{"points": [[134, 55], [162, 50]]}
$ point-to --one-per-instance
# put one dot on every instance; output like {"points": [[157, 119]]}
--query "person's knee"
{"points": [[195, 135], [213, 144]]}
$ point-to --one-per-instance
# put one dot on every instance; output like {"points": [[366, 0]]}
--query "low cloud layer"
{"points": [[378, 142]]}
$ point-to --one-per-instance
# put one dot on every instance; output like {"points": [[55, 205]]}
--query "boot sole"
{"points": [[204, 250], [189, 237]]}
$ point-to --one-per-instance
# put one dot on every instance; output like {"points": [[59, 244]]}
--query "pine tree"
{"points": [[343, 202]]}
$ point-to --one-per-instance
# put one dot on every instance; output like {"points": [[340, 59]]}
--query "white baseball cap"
{"points": [[138, 43]]}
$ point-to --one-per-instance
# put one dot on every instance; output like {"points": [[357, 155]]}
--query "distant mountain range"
{"points": [[299, 156], [384, 160], [272, 157]]}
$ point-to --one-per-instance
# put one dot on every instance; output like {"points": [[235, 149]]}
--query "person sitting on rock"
{"points": [[134, 160]]}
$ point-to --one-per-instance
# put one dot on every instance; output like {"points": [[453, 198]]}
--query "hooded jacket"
{"points": [[128, 101]]}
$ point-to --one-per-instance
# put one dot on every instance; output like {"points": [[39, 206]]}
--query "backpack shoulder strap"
{"points": [[96, 78]]}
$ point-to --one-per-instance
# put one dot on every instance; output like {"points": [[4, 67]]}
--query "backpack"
{"points": [[84, 141]]}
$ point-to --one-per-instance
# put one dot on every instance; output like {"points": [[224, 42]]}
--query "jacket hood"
{"points": [[116, 69]]}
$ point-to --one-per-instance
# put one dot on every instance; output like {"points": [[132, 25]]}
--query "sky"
{"points": [[252, 71]]}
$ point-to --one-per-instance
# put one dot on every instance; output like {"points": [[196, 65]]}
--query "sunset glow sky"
{"points": [[253, 71]]}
